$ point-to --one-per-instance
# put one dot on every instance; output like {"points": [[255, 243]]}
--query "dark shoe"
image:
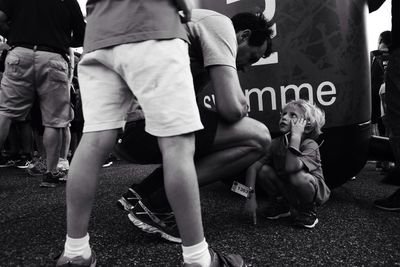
{"points": [[129, 200], [277, 210], [391, 203], [77, 261], [219, 260], [24, 164], [51, 179], [162, 223], [63, 165], [6, 162], [306, 217], [38, 168]]}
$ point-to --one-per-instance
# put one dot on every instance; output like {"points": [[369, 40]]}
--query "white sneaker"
{"points": [[63, 164]]}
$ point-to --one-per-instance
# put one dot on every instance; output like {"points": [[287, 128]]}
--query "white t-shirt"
{"points": [[213, 41]]}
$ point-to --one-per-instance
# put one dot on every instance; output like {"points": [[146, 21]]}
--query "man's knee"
{"points": [[261, 138]]}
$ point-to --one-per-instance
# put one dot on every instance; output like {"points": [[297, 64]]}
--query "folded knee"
{"points": [[299, 179], [261, 138]]}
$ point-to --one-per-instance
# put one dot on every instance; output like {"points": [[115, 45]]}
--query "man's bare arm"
{"points": [[230, 100]]}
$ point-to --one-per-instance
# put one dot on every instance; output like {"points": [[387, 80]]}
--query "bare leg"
{"points": [[83, 179], [5, 124], [181, 186], [39, 143], [66, 141], [13, 140], [52, 144], [26, 138], [236, 147], [302, 185], [269, 182]]}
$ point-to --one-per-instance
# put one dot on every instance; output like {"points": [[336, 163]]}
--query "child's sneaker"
{"points": [[76, 261], [277, 210], [306, 217], [63, 165]]}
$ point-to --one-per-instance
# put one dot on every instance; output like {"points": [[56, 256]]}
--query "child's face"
{"points": [[289, 114]]}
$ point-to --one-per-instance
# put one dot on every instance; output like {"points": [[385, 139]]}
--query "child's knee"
{"points": [[301, 179]]}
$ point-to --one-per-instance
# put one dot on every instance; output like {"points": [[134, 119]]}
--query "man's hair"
{"points": [[386, 38], [314, 115], [259, 27]]}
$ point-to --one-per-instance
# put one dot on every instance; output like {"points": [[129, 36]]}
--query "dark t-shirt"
{"points": [[112, 22], [379, 62], [54, 23]]}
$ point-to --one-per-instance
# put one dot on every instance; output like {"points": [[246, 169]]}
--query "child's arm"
{"points": [[251, 177], [251, 174], [293, 163]]}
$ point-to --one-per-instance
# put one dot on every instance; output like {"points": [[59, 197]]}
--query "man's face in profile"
{"points": [[248, 55]]}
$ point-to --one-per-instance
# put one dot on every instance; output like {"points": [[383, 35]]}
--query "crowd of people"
{"points": [[390, 90], [61, 114]]}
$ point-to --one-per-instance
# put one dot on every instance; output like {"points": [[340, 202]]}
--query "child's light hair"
{"points": [[314, 115]]}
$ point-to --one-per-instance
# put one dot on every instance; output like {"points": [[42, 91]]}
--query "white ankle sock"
{"points": [[75, 247], [198, 253]]}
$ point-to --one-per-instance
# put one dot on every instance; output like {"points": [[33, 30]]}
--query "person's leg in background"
{"points": [[17, 92], [52, 138], [25, 144], [10, 147], [5, 124], [39, 166], [54, 101], [19, 145], [392, 97], [63, 163]]}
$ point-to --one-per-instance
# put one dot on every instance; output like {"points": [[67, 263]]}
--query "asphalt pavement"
{"points": [[351, 231]]}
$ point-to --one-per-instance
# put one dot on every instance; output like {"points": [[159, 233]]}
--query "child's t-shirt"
{"points": [[308, 153]]}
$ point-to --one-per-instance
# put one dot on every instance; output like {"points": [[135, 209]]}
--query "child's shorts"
{"points": [[156, 72], [322, 191]]}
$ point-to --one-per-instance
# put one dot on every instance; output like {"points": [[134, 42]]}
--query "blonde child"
{"points": [[291, 171]]}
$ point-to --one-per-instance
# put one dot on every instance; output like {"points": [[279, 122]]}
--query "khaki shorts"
{"points": [[29, 74], [156, 72]]}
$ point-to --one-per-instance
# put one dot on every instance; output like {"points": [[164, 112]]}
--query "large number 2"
{"points": [[269, 14]]}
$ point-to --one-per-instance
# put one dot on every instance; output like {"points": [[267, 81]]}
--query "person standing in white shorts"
{"points": [[137, 48]]}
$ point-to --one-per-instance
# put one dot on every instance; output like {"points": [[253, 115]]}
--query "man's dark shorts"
{"points": [[137, 146]]}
